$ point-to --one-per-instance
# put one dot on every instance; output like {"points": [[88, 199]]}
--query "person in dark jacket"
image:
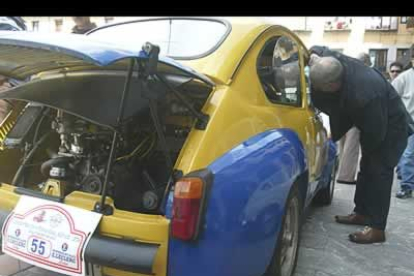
{"points": [[353, 94], [83, 25], [12, 23]]}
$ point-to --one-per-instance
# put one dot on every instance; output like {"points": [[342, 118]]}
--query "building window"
{"points": [[58, 25], [338, 23], [379, 59], [403, 20], [410, 22], [402, 54], [381, 23], [35, 26], [109, 20]]}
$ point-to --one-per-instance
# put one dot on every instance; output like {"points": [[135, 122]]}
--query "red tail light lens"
{"points": [[188, 200]]}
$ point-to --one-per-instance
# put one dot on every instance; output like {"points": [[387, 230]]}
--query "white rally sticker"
{"points": [[49, 235]]}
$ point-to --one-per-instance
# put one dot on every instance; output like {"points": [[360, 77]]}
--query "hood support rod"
{"points": [[202, 118], [149, 70]]}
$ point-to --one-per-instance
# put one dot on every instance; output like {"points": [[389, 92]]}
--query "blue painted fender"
{"points": [[246, 203], [332, 155]]}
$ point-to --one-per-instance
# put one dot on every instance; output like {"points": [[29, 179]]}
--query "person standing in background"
{"points": [[12, 23], [395, 69], [349, 146], [404, 85]]}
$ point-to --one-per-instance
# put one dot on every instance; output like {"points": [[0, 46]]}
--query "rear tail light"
{"points": [[188, 204]]}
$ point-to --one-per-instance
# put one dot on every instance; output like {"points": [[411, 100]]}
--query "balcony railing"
{"points": [[338, 23], [385, 23]]}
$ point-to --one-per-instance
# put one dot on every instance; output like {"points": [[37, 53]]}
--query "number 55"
{"points": [[38, 246]]}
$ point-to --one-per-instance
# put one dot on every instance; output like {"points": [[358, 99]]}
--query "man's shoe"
{"points": [[346, 182], [404, 193], [367, 236], [354, 218]]}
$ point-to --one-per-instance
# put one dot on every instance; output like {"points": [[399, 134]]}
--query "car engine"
{"points": [[78, 151], [57, 143]]}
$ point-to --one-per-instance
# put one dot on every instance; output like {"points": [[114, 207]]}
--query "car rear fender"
{"points": [[245, 206]]}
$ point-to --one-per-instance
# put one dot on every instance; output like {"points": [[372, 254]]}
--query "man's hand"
{"points": [[4, 106], [5, 86]]}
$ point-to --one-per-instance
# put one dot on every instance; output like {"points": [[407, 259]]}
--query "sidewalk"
{"points": [[325, 248]]}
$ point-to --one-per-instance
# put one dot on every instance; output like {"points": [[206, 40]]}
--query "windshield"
{"points": [[177, 38]]}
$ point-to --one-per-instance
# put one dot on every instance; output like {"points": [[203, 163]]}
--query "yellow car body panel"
{"points": [[238, 110], [244, 109]]}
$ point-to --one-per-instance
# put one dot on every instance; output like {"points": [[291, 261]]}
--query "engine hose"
{"points": [[136, 150], [44, 114], [29, 156], [151, 146], [46, 166]]}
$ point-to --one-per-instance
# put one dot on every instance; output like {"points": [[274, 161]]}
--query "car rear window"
{"points": [[177, 38]]}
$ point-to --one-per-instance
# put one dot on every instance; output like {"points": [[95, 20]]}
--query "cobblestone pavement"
{"points": [[325, 249]]}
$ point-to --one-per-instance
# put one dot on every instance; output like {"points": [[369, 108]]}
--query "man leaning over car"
{"points": [[353, 94]]}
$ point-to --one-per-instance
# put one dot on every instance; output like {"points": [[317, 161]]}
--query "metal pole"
{"points": [[101, 206]]}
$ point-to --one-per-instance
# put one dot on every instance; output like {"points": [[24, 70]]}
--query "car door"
{"points": [[320, 130], [319, 152], [320, 136], [286, 88]]}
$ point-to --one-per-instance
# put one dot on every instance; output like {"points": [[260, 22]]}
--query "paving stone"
{"points": [[401, 271], [8, 265], [321, 273], [304, 272]]}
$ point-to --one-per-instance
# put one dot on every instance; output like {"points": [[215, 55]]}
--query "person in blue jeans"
{"points": [[407, 171], [404, 85]]}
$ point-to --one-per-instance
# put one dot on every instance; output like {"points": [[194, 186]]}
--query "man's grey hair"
{"points": [[326, 70]]}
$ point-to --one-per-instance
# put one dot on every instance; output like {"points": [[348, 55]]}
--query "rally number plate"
{"points": [[49, 235]]}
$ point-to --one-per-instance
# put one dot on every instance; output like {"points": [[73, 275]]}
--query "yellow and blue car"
{"points": [[195, 138]]}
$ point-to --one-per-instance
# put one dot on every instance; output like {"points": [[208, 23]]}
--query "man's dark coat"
{"points": [[369, 102]]}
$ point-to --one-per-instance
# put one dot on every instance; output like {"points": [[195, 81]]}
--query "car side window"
{"points": [[279, 71]]}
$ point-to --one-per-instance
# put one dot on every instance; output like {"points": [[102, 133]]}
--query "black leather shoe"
{"points": [[367, 236]]}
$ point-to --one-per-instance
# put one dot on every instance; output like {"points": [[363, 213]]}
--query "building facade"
{"points": [[386, 39]]}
